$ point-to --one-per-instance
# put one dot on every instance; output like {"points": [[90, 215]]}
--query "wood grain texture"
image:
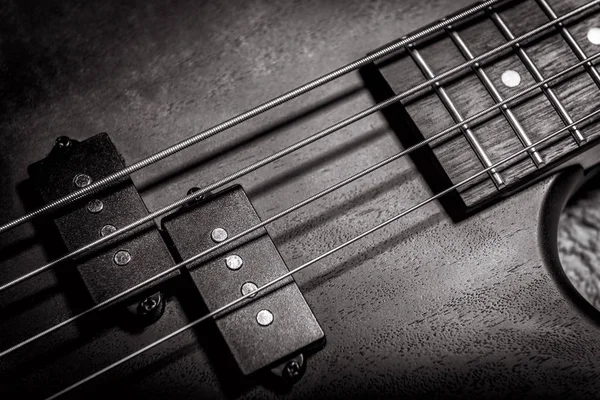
{"points": [[549, 52], [424, 307]]}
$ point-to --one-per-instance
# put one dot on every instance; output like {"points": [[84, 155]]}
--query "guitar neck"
{"points": [[484, 106], [529, 105]]}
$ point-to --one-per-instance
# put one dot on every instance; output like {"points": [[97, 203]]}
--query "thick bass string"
{"points": [[586, 62], [106, 181], [278, 216], [262, 289], [325, 132]]}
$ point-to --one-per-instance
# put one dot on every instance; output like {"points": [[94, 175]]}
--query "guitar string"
{"points": [[281, 214], [252, 296], [286, 211], [333, 128], [279, 100]]}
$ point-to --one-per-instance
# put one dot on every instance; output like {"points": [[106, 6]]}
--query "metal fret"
{"points": [[489, 85], [238, 119], [467, 132], [554, 100], [579, 52], [249, 296]]}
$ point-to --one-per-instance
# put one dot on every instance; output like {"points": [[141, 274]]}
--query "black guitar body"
{"points": [[428, 306]]}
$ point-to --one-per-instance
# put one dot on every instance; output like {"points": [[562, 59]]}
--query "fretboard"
{"points": [[510, 128]]}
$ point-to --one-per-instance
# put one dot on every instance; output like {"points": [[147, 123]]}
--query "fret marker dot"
{"points": [[511, 78], [593, 35]]}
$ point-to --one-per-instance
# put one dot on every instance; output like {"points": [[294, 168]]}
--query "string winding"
{"points": [[262, 108], [261, 290], [273, 218], [325, 132], [230, 123]]}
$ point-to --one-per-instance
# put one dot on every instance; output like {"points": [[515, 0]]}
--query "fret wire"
{"points": [[451, 107], [537, 76], [496, 96], [275, 102], [566, 34], [339, 125], [293, 208], [95, 186], [260, 290]]}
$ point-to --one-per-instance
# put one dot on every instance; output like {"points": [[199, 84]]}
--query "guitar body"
{"points": [[425, 307]]}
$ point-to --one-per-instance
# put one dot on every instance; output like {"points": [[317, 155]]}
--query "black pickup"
{"points": [[262, 332], [123, 262], [272, 330]]}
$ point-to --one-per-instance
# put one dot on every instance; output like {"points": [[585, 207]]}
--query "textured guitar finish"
{"points": [[549, 54], [577, 244], [423, 307]]}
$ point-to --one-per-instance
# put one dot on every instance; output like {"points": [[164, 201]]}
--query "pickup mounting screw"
{"points": [[292, 371], [234, 262], [62, 141], [151, 308], [218, 235], [95, 206], [195, 190], [150, 304], [82, 180], [264, 317], [196, 199], [122, 257]]}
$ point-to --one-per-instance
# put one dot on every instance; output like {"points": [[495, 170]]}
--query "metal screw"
{"points": [[82, 180], [148, 304], [95, 206], [107, 230], [151, 308], [197, 199], [218, 235], [122, 257], [62, 141], [249, 287], [194, 190], [264, 317], [292, 371], [234, 262]]}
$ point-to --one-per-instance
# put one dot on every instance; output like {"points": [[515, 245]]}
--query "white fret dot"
{"points": [[511, 78], [593, 35]]}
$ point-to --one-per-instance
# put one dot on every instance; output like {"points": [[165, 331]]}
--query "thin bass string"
{"points": [[281, 99], [302, 143], [275, 217], [261, 290]]}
